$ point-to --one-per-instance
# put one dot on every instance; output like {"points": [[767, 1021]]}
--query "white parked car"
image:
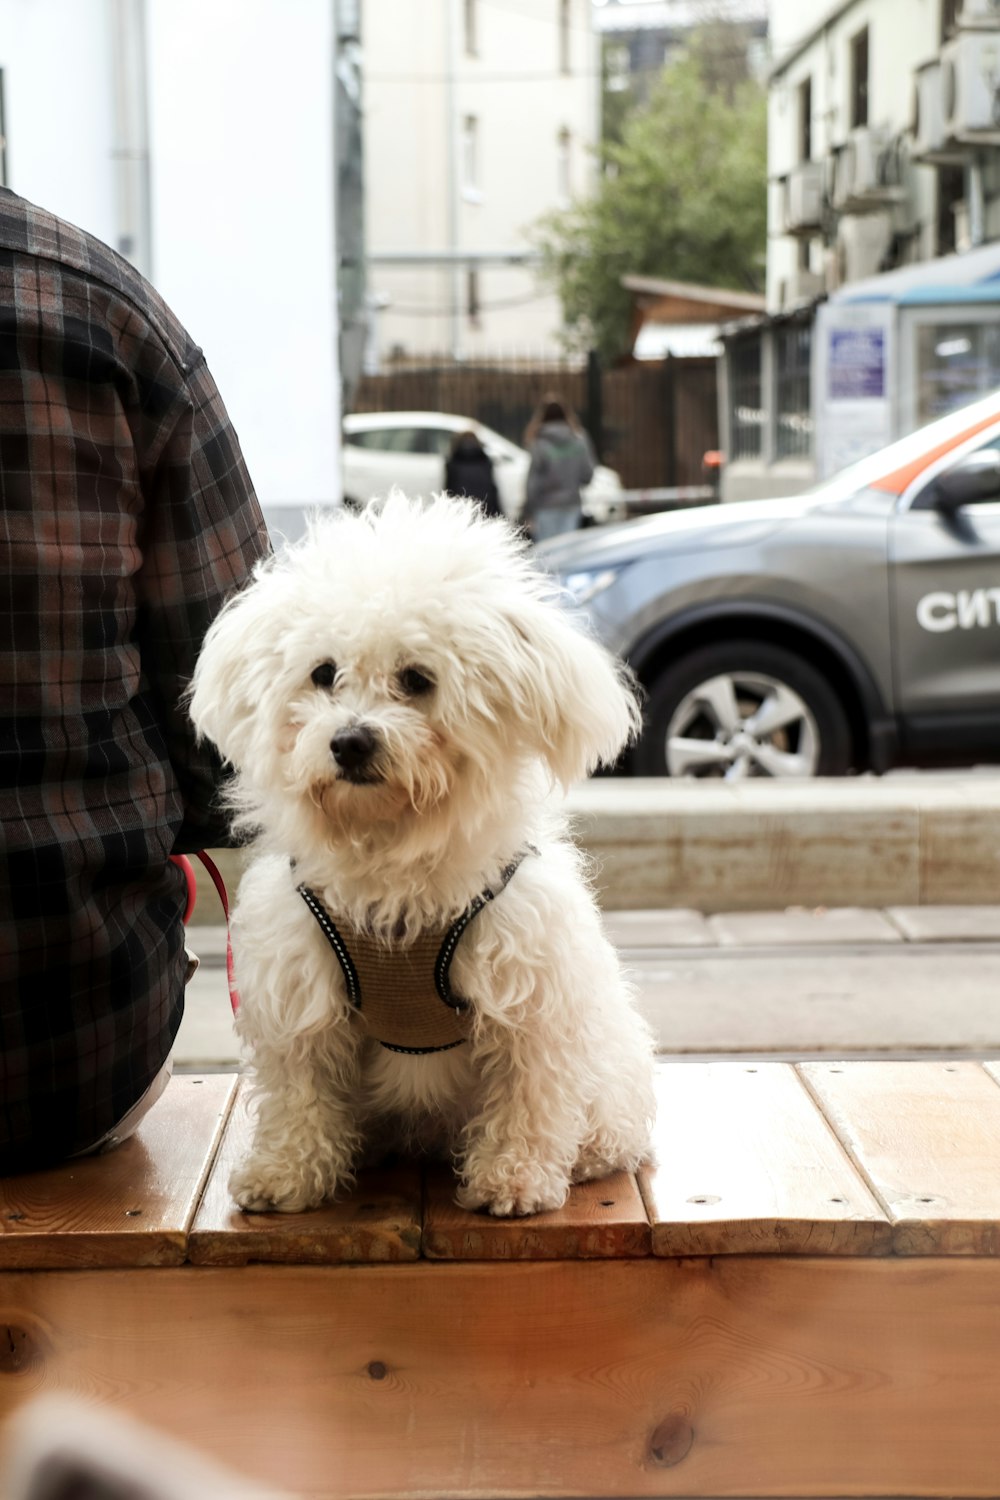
{"points": [[408, 449]]}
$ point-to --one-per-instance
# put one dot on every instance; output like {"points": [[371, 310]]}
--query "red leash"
{"points": [[186, 867]]}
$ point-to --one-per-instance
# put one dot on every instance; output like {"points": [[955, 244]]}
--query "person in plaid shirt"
{"points": [[126, 518]]}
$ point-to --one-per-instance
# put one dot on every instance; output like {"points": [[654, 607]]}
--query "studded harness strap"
{"points": [[403, 992]]}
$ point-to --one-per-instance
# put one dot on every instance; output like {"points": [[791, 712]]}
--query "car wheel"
{"points": [[735, 711]]}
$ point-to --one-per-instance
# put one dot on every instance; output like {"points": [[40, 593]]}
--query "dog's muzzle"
{"points": [[354, 750]]}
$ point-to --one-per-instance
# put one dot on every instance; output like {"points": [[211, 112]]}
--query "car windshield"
{"points": [[906, 450]]}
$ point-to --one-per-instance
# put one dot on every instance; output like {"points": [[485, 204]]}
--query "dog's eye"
{"points": [[414, 682], [324, 674]]}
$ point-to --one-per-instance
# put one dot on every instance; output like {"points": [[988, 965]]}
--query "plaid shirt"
{"points": [[126, 517]]}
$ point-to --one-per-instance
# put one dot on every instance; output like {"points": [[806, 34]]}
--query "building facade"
{"points": [[883, 154], [479, 119]]}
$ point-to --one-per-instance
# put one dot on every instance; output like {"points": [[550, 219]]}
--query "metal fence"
{"points": [[651, 421]]}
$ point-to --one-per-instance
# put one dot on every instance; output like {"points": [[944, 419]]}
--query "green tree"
{"points": [[682, 195]]}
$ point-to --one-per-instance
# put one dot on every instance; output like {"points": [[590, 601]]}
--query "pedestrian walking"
{"points": [[468, 471], [562, 463], [126, 518]]}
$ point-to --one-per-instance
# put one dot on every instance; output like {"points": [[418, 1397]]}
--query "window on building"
{"points": [[3, 136], [348, 14], [745, 397], [470, 18], [564, 166], [859, 78], [470, 155], [473, 306], [805, 120], [950, 194], [617, 63], [793, 393], [564, 20], [949, 18]]}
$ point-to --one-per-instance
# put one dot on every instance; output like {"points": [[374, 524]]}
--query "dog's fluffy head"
{"points": [[399, 663]]}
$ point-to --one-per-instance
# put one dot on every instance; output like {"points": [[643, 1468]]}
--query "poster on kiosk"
{"points": [[854, 378]]}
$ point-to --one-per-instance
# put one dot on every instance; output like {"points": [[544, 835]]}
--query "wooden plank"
{"points": [[605, 1218], [379, 1220], [926, 1135], [131, 1207], [746, 1164], [739, 1376]]}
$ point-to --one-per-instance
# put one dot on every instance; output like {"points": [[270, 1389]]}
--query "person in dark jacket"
{"points": [[562, 462], [468, 471], [127, 516]]}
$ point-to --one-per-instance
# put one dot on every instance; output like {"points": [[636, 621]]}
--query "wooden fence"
{"points": [[651, 421]]}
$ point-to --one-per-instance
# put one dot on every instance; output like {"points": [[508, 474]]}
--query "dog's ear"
{"points": [[573, 701], [237, 663]]}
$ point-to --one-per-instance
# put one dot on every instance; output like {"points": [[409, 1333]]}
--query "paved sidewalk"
{"points": [[849, 981]]}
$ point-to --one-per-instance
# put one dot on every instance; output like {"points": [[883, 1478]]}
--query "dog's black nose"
{"points": [[354, 747]]}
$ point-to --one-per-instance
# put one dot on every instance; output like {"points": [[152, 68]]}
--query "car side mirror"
{"points": [[974, 481]]}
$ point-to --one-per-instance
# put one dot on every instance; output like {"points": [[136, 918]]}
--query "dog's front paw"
{"points": [[513, 1191], [260, 1188]]}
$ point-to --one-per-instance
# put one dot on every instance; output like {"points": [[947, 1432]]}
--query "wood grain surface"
{"points": [[378, 1220], [130, 1207], [927, 1137], [601, 1219], [735, 1376], [746, 1164], [820, 1159]]}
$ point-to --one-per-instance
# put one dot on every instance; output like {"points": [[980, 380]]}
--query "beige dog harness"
{"points": [[403, 992]]}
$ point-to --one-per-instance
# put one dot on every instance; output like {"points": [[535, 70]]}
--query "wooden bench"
{"points": [[802, 1298]]}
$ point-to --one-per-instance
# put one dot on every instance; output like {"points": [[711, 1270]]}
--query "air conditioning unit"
{"points": [[867, 172], [928, 118], [979, 13], [970, 87], [803, 198], [802, 286]]}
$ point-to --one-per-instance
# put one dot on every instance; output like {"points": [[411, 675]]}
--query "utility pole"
{"points": [[452, 19], [131, 148]]}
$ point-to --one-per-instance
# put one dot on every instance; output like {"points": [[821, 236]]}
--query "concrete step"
{"points": [[901, 841], [765, 845]]}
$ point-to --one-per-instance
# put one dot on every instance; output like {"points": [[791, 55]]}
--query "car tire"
{"points": [[743, 709]]}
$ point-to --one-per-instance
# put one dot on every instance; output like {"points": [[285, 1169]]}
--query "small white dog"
{"points": [[420, 959]]}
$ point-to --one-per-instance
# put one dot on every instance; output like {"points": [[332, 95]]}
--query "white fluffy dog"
{"points": [[398, 693]]}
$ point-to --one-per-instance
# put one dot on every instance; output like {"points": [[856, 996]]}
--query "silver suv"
{"points": [[855, 627]]}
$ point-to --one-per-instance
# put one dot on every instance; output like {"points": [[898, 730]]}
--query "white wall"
{"points": [[241, 135], [59, 108], [791, 20], [240, 102]]}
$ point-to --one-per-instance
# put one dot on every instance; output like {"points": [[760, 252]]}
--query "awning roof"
{"points": [[973, 276], [687, 302]]}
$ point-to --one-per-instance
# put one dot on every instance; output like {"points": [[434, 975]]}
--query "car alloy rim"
{"points": [[742, 724]]}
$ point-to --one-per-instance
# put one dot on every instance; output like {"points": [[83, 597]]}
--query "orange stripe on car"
{"points": [[900, 479]]}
